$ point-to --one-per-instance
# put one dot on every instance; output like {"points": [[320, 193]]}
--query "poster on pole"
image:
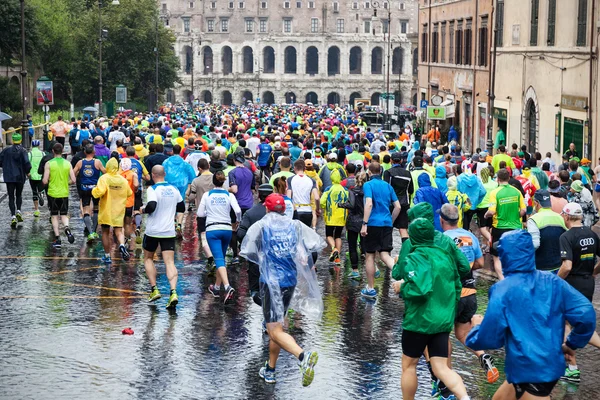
{"points": [[390, 98], [44, 91], [121, 95]]}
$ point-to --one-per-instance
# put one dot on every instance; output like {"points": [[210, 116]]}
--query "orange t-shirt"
{"points": [[130, 176]]}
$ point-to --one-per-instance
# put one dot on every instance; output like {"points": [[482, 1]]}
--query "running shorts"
{"points": [[201, 223], [58, 206], [138, 200], [496, 235], [379, 238], [269, 314], [414, 344], [151, 243], [466, 308], [597, 188], [129, 212], [535, 389], [584, 284], [305, 218], [483, 221], [37, 187], [401, 222], [334, 231], [232, 214]]}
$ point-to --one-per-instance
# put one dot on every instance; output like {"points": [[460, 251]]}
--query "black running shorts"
{"points": [[482, 220], [466, 308], [58, 206], [535, 389], [401, 222], [129, 212], [414, 344], [496, 235], [138, 200], [584, 284], [334, 231], [269, 314], [151, 243], [379, 238]]}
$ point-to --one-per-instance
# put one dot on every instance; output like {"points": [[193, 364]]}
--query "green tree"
{"points": [[10, 30], [10, 95]]}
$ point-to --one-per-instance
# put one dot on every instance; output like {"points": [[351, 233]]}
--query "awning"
{"points": [[446, 103]]}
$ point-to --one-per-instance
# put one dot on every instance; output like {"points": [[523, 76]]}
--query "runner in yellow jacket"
{"points": [[112, 190]]}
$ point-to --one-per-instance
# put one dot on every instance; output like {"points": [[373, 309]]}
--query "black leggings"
{"points": [[14, 188], [353, 247], [37, 187], [306, 219]]}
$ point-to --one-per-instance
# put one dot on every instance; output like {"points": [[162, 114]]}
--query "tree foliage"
{"points": [[10, 30], [68, 48]]}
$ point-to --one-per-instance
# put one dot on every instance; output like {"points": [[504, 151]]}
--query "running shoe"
{"points": [[173, 300], [155, 295], [106, 260], [214, 290], [307, 367], [487, 363], [13, 222], [572, 375], [354, 275], [435, 390], [178, 232], [338, 261], [451, 397], [36, 213], [268, 376], [19, 216], [70, 236], [377, 273], [228, 295], [96, 236], [368, 293], [90, 238], [124, 253], [334, 254], [41, 198], [57, 244], [264, 328], [229, 252], [138, 236], [235, 260]]}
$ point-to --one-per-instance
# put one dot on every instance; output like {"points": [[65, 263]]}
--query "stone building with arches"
{"points": [[294, 51]]}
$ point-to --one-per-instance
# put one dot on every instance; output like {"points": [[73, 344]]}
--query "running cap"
{"points": [[125, 164], [308, 163], [332, 156], [17, 138], [452, 183], [239, 157], [275, 203], [265, 188], [449, 212], [543, 197], [572, 209], [418, 161], [396, 156], [585, 161], [577, 186], [475, 157]]}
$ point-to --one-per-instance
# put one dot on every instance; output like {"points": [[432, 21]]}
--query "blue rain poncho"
{"points": [[282, 249], [179, 173]]}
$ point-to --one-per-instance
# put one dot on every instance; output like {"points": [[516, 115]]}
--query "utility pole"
{"points": [[491, 92], [24, 122]]}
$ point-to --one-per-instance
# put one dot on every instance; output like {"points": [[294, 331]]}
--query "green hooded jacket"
{"points": [[431, 288], [424, 210]]}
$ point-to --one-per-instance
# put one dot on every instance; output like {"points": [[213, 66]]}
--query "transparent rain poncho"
{"points": [[282, 249]]}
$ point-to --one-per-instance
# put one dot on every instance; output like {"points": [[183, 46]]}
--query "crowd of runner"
{"points": [[259, 180]]}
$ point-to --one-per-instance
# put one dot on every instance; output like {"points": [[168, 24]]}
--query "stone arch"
{"points": [[206, 96], [333, 61], [188, 59], [377, 60], [170, 96], [246, 97], [290, 98], [207, 60], [353, 97], [188, 96], [312, 97], [531, 120], [268, 60], [355, 60], [375, 99], [290, 60], [14, 81], [227, 99], [227, 60], [312, 60], [397, 61], [268, 98], [415, 62], [247, 60], [333, 98]]}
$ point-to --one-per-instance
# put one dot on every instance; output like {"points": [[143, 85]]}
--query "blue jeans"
{"points": [[218, 241]]}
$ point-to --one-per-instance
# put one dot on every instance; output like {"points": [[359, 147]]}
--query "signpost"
{"points": [[121, 95], [44, 91], [436, 112], [423, 104]]}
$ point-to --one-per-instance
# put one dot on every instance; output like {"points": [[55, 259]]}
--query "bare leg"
{"points": [[451, 379], [65, 220], [205, 245], [222, 277], [461, 331], [408, 380], [387, 259], [331, 242], [36, 205], [338, 245], [127, 227], [149, 265], [485, 232], [498, 268], [106, 238], [119, 234], [283, 340], [506, 391], [55, 225], [370, 269], [169, 259]]}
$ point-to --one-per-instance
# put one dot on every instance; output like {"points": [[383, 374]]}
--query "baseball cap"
{"points": [[308, 163], [239, 157], [543, 197], [572, 209], [449, 212], [577, 186], [475, 157], [483, 154], [275, 203], [17, 138], [332, 156], [585, 161], [396, 156], [265, 188]]}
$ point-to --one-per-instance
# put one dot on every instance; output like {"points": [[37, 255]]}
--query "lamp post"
{"points": [[101, 33], [163, 16], [386, 6], [24, 122]]}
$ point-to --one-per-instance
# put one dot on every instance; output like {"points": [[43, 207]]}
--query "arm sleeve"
{"points": [[581, 315], [492, 331], [534, 231], [150, 207], [180, 207]]}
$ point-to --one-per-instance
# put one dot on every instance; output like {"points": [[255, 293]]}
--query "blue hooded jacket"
{"points": [[471, 185], [452, 135], [411, 153], [526, 314], [440, 178], [428, 194]]}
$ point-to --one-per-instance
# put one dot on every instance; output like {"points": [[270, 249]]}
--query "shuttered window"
{"points": [[551, 22], [582, 23], [500, 23], [535, 11]]}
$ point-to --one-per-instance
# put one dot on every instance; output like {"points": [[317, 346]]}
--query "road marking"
{"points": [[71, 297], [56, 258], [91, 286], [56, 273]]}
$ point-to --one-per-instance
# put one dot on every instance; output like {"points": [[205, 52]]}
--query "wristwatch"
{"points": [[365, 222]]}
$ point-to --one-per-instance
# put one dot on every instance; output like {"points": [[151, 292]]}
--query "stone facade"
{"points": [[543, 75], [454, 59], [291, 51]]}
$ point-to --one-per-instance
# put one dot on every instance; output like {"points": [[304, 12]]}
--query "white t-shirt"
{"points": [[160, 223], [252, 144], [113, 137], [215, 206], [193, 159], [301, 187]]}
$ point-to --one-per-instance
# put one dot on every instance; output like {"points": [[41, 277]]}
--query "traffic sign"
{"points": [[44, 90], [424, 104], [45, 108], [121, 94]]}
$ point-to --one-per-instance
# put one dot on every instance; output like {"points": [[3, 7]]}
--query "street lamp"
{"points": [[386, 6], [102, 34], [24, 122], [163, 16]]}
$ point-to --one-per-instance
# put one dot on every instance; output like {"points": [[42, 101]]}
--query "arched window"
{"points": [[207, 60], [312, 61], [206, 96], [377, 60], [312, 97], [290, 98], [227, 98], [188, 59], [333, 98], [353, 97], [375, 99], [397, 61], [227, 60], [356, 60], [531, 127], [246, 97], [248, 60], [268, 98], [290, 63], [333, 61], [268, 60]]}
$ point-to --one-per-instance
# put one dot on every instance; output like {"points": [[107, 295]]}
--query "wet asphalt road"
{"points": [[62, 313]]}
